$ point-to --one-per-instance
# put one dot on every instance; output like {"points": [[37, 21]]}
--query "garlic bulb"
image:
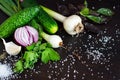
{"points": [[55, 41], [73, 25], [11, 48]]}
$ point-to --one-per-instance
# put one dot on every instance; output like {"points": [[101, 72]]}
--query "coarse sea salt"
{"points": [[96, 54], [5, 71]]}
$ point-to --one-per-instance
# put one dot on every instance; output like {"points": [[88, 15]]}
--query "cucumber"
{"points": [[17, 20], [48, 23]]}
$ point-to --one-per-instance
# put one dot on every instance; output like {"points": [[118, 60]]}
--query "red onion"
{"points": [[26, 35]]}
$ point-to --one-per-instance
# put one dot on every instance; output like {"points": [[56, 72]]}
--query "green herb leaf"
{"points": [[95, 19], [85, 3], [43, 46], [30, 57], [54, 56], [36, 47], [85, 11], [105, 11], [49, 54], [19, 66], [30, 47], [45, 56]]}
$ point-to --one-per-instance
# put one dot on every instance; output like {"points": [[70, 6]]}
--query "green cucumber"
{"points": [[17, 20], [48, 23]]}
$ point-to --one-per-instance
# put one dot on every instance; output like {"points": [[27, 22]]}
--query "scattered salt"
{"points": [[95, 47], [93, 7], [49, 76], [118, 31], [114, 7], [5, 71], [104, 39], [96, 54], [83, 77]]}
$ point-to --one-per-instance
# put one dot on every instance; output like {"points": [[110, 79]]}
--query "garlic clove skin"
{"points": [[73, 25], [11, 48]]}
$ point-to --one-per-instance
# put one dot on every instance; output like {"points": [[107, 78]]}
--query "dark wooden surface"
{"points": [[71, 67]]}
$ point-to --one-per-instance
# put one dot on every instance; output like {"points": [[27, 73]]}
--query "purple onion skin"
{"points": [[26, 35]]}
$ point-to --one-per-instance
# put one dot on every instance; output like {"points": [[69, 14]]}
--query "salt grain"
{"points": [[83, 77], [49, 76], [114, 7]]}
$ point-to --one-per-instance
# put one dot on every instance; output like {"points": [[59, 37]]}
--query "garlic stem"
{"points": [[54, 14]]}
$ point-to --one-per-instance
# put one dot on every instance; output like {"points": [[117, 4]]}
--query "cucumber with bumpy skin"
{"points": [[17, 20], [48, 23]]}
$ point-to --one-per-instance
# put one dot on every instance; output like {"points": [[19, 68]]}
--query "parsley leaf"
{"points": [[30, 47], [19, 66], [54, 56], [105, 11], [30, 57], [43, 46], [49, 54], [45, 56], [96, 19], [85, 10], [95, 15]]}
